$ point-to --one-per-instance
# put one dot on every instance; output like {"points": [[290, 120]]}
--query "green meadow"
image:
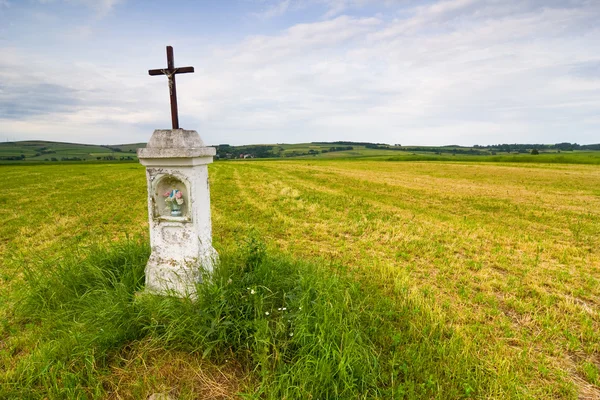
{"points": [[353, 278]]}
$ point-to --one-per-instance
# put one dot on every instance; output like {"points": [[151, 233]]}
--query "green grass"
{"points": [[298, 329], [83, 309], [416, 279]]}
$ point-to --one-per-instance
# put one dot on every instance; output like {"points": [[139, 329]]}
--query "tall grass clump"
{"points": [[81, 309], [300, 330]]}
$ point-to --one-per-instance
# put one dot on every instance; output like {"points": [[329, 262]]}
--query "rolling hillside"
{"points": [[44, 151], [39, 150]]}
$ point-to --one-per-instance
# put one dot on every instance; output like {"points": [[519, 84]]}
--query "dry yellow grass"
{"points": [[144, 369]]}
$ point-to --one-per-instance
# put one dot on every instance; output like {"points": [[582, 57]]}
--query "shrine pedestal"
{"points": [[176, 162]]}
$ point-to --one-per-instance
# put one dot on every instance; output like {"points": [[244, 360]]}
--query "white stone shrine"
{"points": [[176, 162]]}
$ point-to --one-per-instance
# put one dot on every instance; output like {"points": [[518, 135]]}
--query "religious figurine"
{"points": [[174, 201]]}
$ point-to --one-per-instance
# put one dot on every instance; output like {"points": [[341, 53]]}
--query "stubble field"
{"points": [[498, 263]]}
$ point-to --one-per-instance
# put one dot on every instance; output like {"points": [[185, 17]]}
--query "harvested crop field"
{"points": [[505, 258]]}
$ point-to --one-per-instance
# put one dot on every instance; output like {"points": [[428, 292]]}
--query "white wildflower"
{"points": [[252, 291], [291, 334], [266, 313]]}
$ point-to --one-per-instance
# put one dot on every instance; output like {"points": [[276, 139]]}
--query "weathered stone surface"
{"points": [[181, 244], [175, 143], [177, 153], [174, 138]]}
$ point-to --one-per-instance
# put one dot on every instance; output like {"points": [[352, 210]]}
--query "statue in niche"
{"points": [[174, 201]]}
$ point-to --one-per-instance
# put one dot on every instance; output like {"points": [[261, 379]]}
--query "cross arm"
{"points": [[182, 70]]}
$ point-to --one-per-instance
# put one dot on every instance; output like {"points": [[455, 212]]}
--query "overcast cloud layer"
{"points": [[432, 73]]}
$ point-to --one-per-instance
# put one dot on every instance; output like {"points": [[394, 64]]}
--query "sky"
{"points": [[444, 72]]}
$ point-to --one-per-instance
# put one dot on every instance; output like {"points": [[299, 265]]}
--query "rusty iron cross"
{"points": [[170, 73]]}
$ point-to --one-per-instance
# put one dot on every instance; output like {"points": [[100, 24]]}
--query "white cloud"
{"points": [[336, 7], [496, 79], [275, 10], [455, 72], [102, 7], [333, 8]]}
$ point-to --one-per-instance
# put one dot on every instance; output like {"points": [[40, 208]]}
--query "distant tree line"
{"points": [[22, 157], [115, 149], [44, 150], [13, 158], [478, 149], [428, 149], [225, 151], [113, 158], [351, 143], [336, 148], [71, 159], [314, 152], [524, 148]]}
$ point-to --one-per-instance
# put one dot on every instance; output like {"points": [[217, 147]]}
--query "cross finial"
{"points": [[170, 73]]}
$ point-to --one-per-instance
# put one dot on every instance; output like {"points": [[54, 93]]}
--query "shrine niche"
{"points": [[171, 198]]}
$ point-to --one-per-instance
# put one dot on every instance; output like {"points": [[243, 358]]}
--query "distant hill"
{"points": [[45, 151], [39, 150]]}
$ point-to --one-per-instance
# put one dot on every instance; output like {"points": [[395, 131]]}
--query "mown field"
{"points": [[482, 280]]}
